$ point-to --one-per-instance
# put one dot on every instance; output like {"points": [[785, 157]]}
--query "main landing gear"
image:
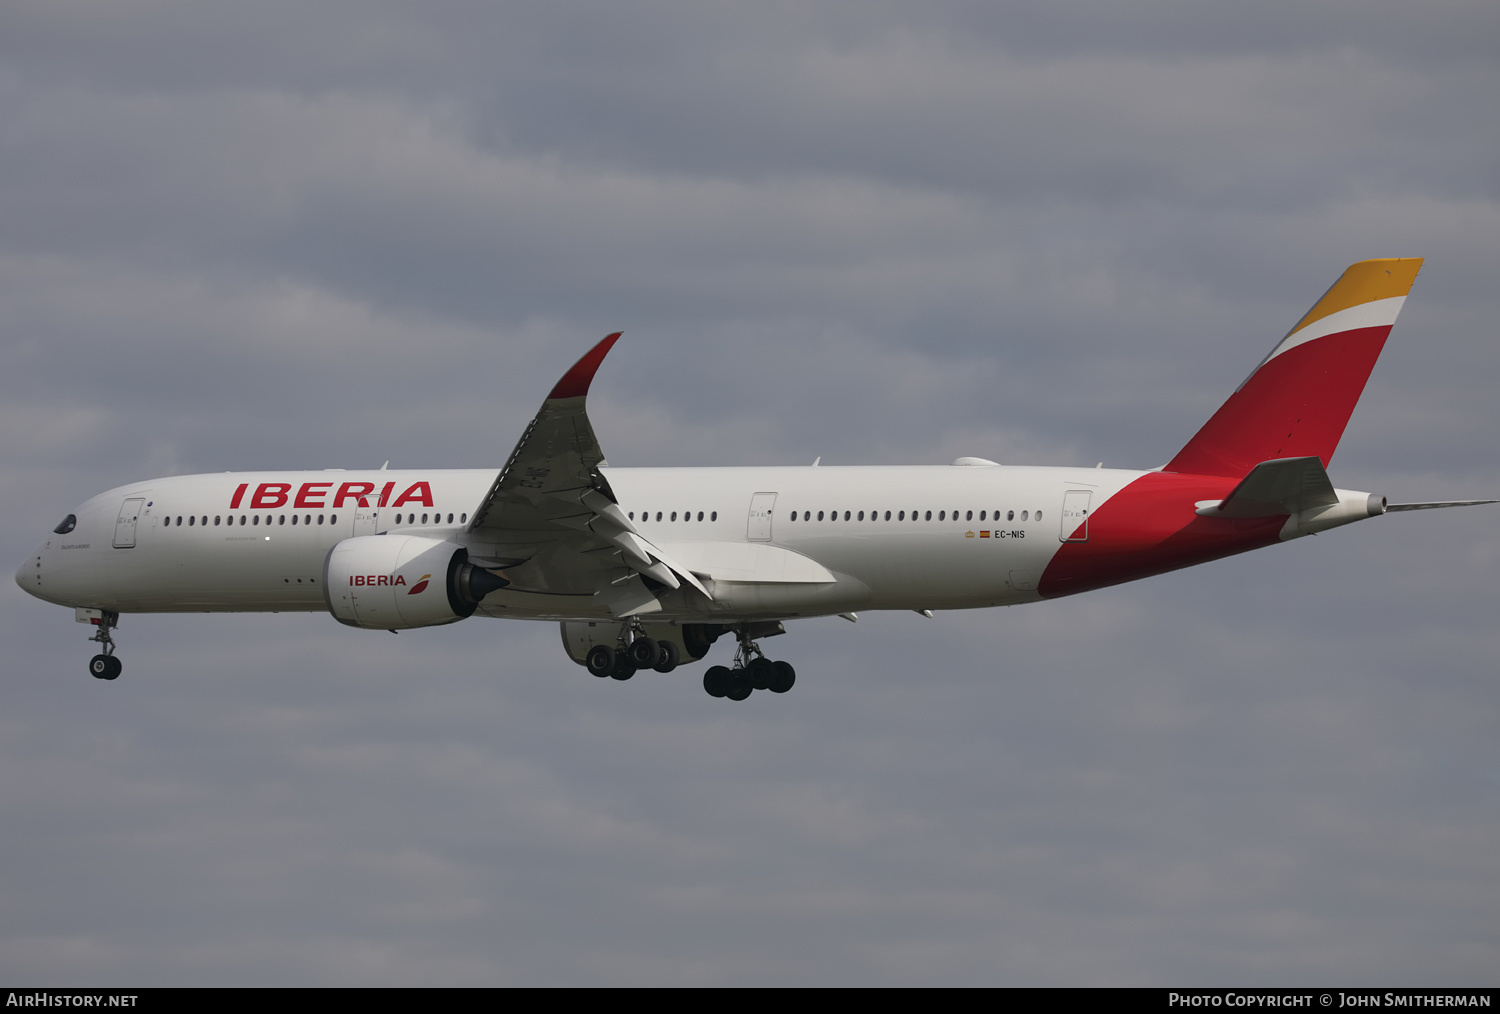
{"points": [[634, 651], [752, 671], [105, 666]]}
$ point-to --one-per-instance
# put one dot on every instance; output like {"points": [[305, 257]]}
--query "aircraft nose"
{"points": [[29, 575], [26, 573]]}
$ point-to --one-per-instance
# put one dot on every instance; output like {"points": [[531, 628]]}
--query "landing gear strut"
{"points": [[105, 666], [752, 671]]}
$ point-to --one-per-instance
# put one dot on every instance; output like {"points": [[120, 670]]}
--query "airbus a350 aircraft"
{"points": [[644, 568]]}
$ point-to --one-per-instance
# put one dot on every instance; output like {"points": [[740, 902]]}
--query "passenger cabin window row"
{"points": [[943, 515], [252, 519], [293, 519], [672, 515]]}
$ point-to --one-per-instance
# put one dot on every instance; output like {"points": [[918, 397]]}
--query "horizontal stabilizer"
{"points": [[1276, 487], [1435, 506]]}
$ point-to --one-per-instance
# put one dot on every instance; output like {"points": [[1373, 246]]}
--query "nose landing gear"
{"points": [[105, 666]]}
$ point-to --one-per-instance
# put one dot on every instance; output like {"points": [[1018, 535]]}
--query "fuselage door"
{"points": [[1075, 515], [761, 505], [366, 519], [130, 514]]}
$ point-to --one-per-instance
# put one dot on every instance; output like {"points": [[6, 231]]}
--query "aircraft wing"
{"points": [[551, 521]]}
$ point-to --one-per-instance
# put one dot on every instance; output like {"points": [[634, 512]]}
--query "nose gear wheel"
{"points": [[105, 666]]}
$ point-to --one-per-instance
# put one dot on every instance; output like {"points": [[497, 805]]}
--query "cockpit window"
{"points": [[66, 525]]}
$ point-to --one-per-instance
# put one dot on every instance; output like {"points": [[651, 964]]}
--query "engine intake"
{"points": [[399, 582]]}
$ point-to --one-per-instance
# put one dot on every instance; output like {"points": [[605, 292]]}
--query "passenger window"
{"points": [[969, 516], [846, 515], [794, 515], [66, 525], [929, 515], [1010, 515], [658, 515], [820, 515], [901, 515], [320, 519], [942, 515], [307, 519], [700, 515], [1039, 515], [216, 519], [981, 515], [861, 515], [463, 518], [179, 521], [450, 519], [191, 520], [674, 515], [333, 519], [632, 515], [294, 519], [1025, 515], [281, 520], [887, 515], [255, 520], [714, 516]]}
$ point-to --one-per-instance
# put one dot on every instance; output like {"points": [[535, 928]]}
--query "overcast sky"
{"points": [[282, 235]]}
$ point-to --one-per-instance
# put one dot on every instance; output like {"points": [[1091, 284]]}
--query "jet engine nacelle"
{"points": [[396, 582]]}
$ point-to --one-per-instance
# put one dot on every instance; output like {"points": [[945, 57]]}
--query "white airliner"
{"points": [[647, 567]]}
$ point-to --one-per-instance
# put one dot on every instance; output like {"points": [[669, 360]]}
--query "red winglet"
{"points": [[575, 383]]}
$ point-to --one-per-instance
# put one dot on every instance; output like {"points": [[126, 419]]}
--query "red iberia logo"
{"points": [[420, 585], [322, 495]]}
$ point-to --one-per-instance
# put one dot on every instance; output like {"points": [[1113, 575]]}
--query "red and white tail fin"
{"points": [[1298, 400]]}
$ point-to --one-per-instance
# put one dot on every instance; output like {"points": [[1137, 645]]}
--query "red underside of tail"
{"points": [[1296, 405], [1150, 527]]}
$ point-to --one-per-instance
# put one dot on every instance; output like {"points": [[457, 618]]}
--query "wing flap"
{"points": [[627, 596]]}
